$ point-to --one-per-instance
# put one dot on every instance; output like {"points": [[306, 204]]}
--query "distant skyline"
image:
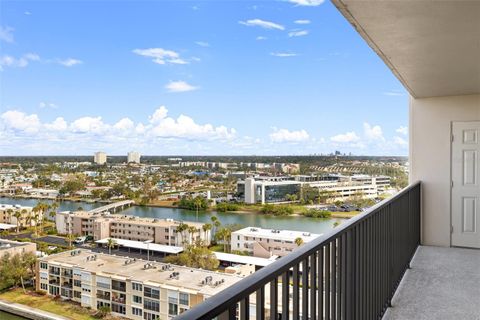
{"points": [[193, 78]]}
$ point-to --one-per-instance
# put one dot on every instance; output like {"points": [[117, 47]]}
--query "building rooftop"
{"points": [[7, 244], [149, 273], [287, 235], [143, 245]]}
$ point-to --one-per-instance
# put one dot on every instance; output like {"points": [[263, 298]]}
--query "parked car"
{"points": [[80, 240]]}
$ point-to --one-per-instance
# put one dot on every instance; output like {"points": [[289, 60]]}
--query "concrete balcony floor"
{"points": [[443, 283]]}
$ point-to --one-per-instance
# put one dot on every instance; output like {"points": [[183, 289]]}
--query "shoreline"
{"points": [[243, 211]]}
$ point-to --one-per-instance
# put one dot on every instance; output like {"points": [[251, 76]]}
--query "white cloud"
{"points": [[93, 125], [202, 43], [27, 13], [124, 124], [373, 133], [21, 132], [23, 61], [284, 135], [298, 33], [6, 34], [307, 3], [302, 21], [400, 141], [402, 130], [161, 56], [283, 54], [348, 137], [59, 124], [263, 24], [19, 121], [70, 62], [180, 86], [43, 105], [261, 38]]}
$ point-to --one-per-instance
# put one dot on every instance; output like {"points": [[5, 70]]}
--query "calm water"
{"points": [[313, 225], [9, 316]]}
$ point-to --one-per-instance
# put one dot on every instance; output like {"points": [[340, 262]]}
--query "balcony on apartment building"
{"points": [[415, 255]]}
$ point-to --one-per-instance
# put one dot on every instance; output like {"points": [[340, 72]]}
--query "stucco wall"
{"points": [[430, 134]]}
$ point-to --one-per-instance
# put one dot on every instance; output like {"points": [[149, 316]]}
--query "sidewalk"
{"points": [[28, 312]]}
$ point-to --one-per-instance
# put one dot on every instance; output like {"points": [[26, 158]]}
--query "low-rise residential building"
{"points": [[13, 247], [265, 243], [101, 226], [131, 288], [8, 215]]}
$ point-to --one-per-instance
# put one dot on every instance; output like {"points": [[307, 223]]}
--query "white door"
{"points": [[465, 184]]}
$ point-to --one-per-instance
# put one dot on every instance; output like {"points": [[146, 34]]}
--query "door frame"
{"points": [[451, 176]]}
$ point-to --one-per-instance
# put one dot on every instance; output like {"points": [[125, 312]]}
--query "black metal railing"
{"points": [[351, 272]]}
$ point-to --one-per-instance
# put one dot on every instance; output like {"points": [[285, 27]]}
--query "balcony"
{"points": [[438, 286], [350, 273]]}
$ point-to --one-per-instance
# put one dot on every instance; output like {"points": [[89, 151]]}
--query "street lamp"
{"points": [[148, 248]]}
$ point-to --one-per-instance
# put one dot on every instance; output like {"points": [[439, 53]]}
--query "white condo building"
{"points": [[265, 243], [133, 157], [100, 157]]}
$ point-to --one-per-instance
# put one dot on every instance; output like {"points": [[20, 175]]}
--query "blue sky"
{"points": [[203, 77]]}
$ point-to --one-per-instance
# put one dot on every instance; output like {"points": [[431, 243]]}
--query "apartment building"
{"points": [[101, 226], [265, 243], [100, 158], [13, 247], [27, 215], [133, 289], [133, 157]]}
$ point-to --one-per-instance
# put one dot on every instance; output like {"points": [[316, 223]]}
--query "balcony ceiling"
{"points": [[433, 47]]}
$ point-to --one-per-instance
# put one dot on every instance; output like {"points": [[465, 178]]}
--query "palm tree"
{"points": [[54, 206], [10, 214], [181, 229], [70, 238], [206, 227], [299, 241], [198, 202], [224, 234], [191, 231], [216, 222], [111, 244], [17, 216]]}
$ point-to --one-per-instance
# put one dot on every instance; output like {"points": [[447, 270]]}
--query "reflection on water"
{"points": [[301, 223]]}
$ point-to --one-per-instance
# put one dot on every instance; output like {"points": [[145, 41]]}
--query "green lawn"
{"points": [[45, 303]]}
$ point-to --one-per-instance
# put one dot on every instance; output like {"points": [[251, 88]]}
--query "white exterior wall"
{"points": [[430, 157], [250, 190]]}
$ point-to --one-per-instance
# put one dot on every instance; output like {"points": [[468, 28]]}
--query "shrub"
{"points": [[316, 213], [225, 206], [277, 210]]}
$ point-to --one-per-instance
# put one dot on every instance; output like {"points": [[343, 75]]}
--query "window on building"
{"points": [[43, 286], [118, 308], [137, 286], [137, 299], [77, 294], [172, 309], [152, 305], [77, 283], [151, 293], [43, 265], [136, 311], [150, 316], [183, 298]]}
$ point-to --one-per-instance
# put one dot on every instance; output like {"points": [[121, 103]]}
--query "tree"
{"points": [[70, 238], [17, 216], [195, 256], [224, 234], [182, 227], [198, 202], [206, 227], [111, 244], [192, 230], [299, 241]]}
